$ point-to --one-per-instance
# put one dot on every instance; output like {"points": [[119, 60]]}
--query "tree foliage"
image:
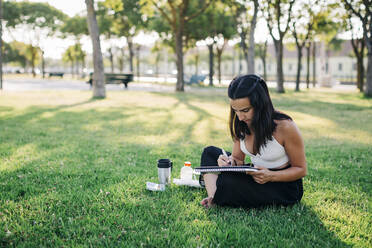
{"points": [[177, 14], [75, 26], [40, 20], [15, 52], [34, 14]]}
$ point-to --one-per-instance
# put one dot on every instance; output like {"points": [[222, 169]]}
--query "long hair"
{"points": [[255, 89]]}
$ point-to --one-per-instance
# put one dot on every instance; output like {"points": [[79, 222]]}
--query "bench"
{"points": [[56, 74], [195, 79], [114, 78]]}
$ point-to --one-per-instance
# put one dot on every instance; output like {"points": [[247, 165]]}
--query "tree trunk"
{"points": [[244, 47], [250, 60], [308, 47], [211, 63], [240, 60], [367, 35], [111, 60], [314, 64], [83, 67], [233, 62], [138, 61], [42, 63], [264, 67], [77, 67], [358, 47], [157, 66], [99, 90], [72, 67], [299, 65], [179, 61], [219, 59], [219, 55], [33, 58], [360, 73], [1, 45], [262, 54], [131, 53], [121, 60], [279, 65], [368, 88], [197, 64]]}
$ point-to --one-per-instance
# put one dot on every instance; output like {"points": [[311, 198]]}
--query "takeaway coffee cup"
{"points": [[164, 170]]}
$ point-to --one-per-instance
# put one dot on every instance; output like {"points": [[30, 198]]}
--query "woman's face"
{"points": [[243, 109]]}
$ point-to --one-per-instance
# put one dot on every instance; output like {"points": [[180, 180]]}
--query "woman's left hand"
{"points": [[263, 175]]}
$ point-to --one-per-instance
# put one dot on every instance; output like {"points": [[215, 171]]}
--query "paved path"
{"points": [[50, 84], [27, 84]]}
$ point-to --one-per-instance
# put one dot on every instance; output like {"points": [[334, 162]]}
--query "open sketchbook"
{"points": [[241, 168]]}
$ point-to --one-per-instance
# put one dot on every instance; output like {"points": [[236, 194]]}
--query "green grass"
{"points": [[73, 172]]}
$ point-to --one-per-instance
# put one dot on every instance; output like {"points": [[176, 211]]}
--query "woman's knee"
{"points": [[210, 153], [209, 149]]}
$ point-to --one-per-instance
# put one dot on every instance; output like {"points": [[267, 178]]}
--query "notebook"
{"points": [[241, 168]]}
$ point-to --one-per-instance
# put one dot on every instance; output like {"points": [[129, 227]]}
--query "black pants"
{"points": [[236, 189]]}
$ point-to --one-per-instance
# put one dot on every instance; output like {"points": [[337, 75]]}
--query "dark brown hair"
{"points": [[255, 89]]}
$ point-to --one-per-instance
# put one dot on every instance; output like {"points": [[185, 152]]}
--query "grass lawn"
{"points": [[73, 172]]}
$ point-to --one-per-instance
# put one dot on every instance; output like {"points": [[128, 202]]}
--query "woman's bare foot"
{"points": [[207, 202]]}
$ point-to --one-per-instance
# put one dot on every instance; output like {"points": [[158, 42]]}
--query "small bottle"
{"points": [[186, 171]]}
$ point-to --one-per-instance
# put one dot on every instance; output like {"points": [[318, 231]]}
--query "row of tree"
{"points": [[181, 24]]}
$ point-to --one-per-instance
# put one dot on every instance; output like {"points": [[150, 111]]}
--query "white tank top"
{"points": [[271, 156]]}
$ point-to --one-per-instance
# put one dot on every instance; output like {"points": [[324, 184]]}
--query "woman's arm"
{"points": [[237, 155], [294, 147]]}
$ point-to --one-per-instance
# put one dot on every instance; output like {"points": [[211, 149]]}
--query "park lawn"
{"points": [[73, 171]]}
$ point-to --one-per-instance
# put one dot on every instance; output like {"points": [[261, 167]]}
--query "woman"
{"points": [[274, 144]]}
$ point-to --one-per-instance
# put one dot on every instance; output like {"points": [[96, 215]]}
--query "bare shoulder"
{"points": [[286, 129], [286, 125]]}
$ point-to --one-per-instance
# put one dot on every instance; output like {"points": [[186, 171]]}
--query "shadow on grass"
{"points": [[83, 181]]}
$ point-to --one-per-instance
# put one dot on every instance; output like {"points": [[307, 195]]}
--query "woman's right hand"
{"points": [[223, 160]]}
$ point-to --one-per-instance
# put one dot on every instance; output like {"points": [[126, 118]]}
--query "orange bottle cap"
{"points": [[187, 163]]}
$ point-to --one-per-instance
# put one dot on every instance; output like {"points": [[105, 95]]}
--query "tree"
{"points": [[358, 45], [363, 10], [121, 58], [138, 60], [33, 54], [178, 14], [261, 51], [41, 21], [327, 25], [226, 29], [69, 56], [15, 52], [215, 26], [157, 51], [302, 25], [99, 90], [76, 27], [74, 54], [194, 59], [127, 21], [278, 14], [246, 24], [105, 19]]}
